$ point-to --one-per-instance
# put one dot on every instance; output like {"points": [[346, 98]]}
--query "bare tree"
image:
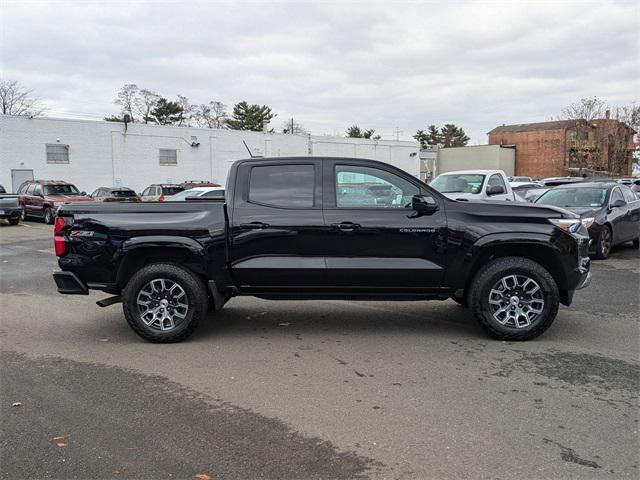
{"points": [[127, 97], [588, 109], [18, 100], [188, 111], [293, 127], [145, 102], [629, 115], [211, 115]]}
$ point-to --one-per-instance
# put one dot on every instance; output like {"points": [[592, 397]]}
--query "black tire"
{"points": [[636, 243], [604, 243], [14, 221], [48, 216], [492, 273], [191, 285], [23, 214]]}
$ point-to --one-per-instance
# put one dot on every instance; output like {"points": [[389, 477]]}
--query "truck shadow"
{"points": [[241, 317]]}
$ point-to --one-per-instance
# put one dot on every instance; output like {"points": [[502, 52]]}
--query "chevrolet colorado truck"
{"points": [[322, 228]]}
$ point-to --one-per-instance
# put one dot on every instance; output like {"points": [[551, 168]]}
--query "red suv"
{"points": [[41, 198]]}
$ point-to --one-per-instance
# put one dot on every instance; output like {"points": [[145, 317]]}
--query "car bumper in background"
{"points": [[12, 212]]}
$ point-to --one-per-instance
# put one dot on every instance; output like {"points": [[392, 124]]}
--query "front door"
{"points": [[276, 227], [375, 240]]}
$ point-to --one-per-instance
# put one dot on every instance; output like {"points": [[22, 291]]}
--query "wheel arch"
{"points": [[539, 250]]}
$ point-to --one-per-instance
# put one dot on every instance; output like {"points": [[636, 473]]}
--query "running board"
{"points": [[109, 301]]}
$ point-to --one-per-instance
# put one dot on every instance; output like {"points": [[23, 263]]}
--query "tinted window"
{"points": [[171, 190], [616, 195], [61, 190], [214, 193], [372, 188], [289, 186], [37, 189], [629, 196], [2, 190], [123, 193]]}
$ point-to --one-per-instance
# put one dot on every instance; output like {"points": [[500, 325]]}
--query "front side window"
{"points": [[168, 156], [496, 180], [458, 183], [629, 196], [616, 195], [366, 187], [287, 186], [29, 190]]}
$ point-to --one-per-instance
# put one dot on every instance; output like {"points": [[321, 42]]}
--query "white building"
{"points": [[93, 154]]}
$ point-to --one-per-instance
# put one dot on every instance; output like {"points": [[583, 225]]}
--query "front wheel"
{"points": [[14, 220], [604, 242], [163, 303], [48, 216], [514, 298]]}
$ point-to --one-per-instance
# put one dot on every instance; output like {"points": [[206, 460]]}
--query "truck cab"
{"points": [[472, 185]]}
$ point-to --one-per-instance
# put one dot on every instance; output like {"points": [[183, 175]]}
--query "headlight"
{"points": [[587, 222], [570, 225], [57, 204]]}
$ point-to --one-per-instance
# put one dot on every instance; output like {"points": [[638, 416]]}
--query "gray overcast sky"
{"points": [[331, 64]]}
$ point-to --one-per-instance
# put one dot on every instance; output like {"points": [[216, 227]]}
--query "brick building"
{"points": [[601, 147]]}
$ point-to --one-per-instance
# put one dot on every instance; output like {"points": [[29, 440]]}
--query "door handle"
{"points": [[254, 225], [346, 226]]}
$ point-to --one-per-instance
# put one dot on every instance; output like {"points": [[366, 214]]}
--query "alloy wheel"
{"points": [[516, 301], [162, 304], [605, 242]]}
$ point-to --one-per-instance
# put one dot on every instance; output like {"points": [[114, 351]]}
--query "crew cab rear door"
{"points": [[375, 242], [276, 226]]}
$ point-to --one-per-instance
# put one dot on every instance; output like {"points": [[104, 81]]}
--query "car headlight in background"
{"points": [[587, 222], [571, 225], [57, 204]]}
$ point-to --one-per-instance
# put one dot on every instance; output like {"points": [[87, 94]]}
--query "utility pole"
{"points": [[291, 125], [398, 132]]}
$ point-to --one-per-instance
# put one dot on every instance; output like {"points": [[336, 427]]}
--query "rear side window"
{"points": [[123, 193], [629, 196], [30, 189], [171, 190], [213, 193], [287, 186]]}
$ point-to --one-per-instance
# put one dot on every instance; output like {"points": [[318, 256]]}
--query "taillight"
{"points": [[59, 241], [109, 199], [161, 199]]}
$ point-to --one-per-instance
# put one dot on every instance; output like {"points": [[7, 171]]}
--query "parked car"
{"points": [[282, 233], [187, 184], [474, 185], [203, 192], [520, 179], [625, 181], [114, 194], [555, 181], [42, 198], [158, 192], [610, 211], [635, 186], [10, 207], [528, 191]]}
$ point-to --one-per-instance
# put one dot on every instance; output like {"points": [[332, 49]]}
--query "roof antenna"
{"points": [[248, 149]]}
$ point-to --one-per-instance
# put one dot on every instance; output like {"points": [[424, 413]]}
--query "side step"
{"points": [[109, 301]]}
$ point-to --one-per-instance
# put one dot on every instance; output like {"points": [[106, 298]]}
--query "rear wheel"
{"points": [[604, 243], [14, 220], [514, 298], [48, 216], [636, 243], [163, 303]]}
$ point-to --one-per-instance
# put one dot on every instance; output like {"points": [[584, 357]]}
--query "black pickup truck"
{"points": [[323, 228]]}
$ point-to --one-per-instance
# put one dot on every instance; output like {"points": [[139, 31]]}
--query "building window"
{"points": [[168, 156], [57, 153]]}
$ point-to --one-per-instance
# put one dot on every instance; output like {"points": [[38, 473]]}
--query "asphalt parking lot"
{"points": [[325, 389]]}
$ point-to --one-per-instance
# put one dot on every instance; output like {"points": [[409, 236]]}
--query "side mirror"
{"points": [[83, 193], [495, 190], [619, 203], [423, 205]]}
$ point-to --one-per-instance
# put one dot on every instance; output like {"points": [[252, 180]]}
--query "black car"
{"points": [[115, 194], [610, 211], [310, 228]]}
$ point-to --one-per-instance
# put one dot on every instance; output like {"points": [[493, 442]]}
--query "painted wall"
{"points": [[103, 154], [479, 157]]}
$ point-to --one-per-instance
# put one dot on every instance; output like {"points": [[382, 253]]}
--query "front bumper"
{"points": [[69, 283], [586, 280]]}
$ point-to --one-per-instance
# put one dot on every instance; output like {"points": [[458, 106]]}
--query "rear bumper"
{"points": [[70, 284], [11, 212]]}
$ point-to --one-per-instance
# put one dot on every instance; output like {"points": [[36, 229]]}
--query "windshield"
{"points": [[192, 192], [459, 183], [61, 190], [574, 197]]}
